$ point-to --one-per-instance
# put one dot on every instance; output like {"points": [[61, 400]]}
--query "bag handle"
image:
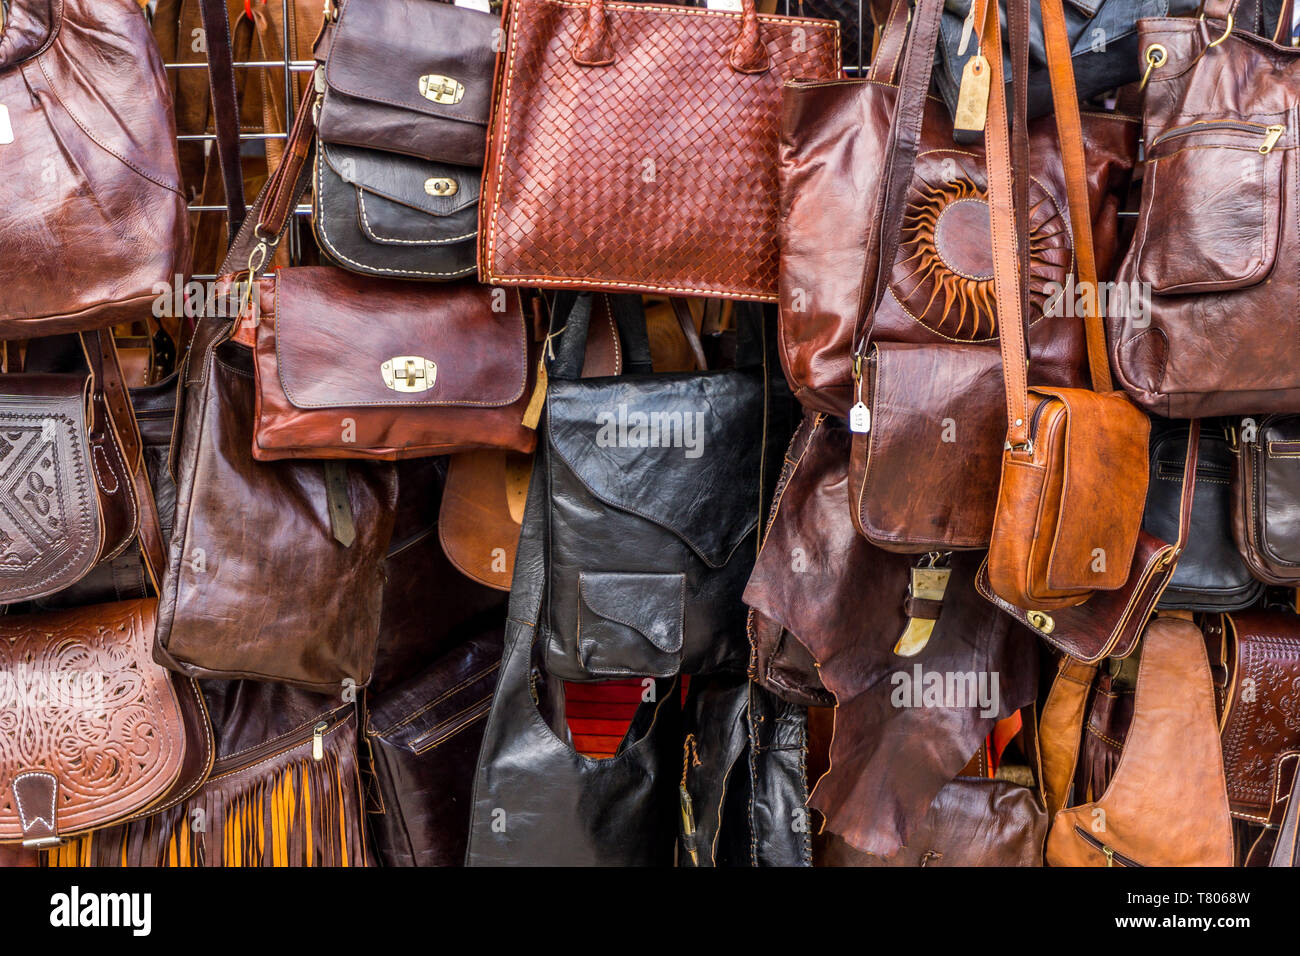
{"points": [[225, 109], [594, 45]]}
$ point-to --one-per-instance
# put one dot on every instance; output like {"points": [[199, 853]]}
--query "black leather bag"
{"points": [[404, 95], [651, 509], [1210, 574], [424, 738]]}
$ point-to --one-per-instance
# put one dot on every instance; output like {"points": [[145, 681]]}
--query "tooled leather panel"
{"points": [[83, 701], [705, 215], [1263, 715], [50, 531]]}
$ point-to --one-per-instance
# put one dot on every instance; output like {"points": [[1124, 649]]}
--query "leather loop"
{"points": [[748, 53], [682, 311], [595, 44]]}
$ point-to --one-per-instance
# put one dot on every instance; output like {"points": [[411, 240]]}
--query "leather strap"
{"points": [[682, 310], [884, 62], [1060, 730], [1189, 485], [225, 108], [1219, 9]]}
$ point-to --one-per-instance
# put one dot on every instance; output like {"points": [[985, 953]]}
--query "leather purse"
{"points": [[1074, 468], [1265, 496], [862, 264], [423, 736], [68, 504], [353, 367], [1210, 574], [587, 188], [403, 99], [1211, 250], [644, 566], [94, 194], [1166, 803]]}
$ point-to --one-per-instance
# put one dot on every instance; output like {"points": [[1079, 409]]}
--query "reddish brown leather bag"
{"points": [[587, 186], [92, 183], [354, 367]]}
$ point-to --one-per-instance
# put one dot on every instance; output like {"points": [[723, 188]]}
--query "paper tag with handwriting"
{"points": [[860, 418]]}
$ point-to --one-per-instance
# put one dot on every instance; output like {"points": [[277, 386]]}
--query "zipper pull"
{"points": [[1271, 136], [318, 741], [688, 826], [1110, 855]]}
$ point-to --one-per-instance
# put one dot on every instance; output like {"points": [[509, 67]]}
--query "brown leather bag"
{"points": [[352, 367], [1074, 470], [1166, 804], [912, 263], [93, 193], [1217, 228], [578, 195], [1265, 496]]}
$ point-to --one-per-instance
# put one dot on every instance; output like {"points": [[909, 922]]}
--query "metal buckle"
{"points": [[441, 89], [441, 186], [409, 373]]}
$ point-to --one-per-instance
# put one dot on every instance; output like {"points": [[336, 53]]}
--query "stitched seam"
{"points": [[374, 233]]}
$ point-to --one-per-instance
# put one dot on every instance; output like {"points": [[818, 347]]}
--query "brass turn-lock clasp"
{"points": [[409, 373], [441, 89]]}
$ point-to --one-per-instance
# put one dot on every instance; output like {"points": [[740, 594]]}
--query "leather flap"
{"points": [[82, 687], [1277, 489], [381, 49], [653, 605], [51, 531], [663, 446], [427, 710], [404, 179], [30, 28], [334, 332], [1104, 491]]}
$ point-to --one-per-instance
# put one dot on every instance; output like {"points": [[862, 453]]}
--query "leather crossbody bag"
{"points": [[403, 95], [1265, 496], [1074, 469]]}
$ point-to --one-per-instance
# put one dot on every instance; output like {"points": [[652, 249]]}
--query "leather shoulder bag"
{"points": [[403, 96], [1265, 496], [93, 192], [577, 194]]}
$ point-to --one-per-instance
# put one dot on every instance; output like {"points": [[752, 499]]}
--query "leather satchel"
{"points": [[352, 367], [1213, 251], [403, 97], [1074, 469], [586, 186], [1265, 498], [1210, 575], [93, 194], [1166, 803]]}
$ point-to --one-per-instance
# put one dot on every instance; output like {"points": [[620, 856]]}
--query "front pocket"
{"points": [[1213, 207], [631, 623]]}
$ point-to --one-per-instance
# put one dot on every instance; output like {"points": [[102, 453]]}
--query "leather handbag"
{"points": [[1209, 250], [863, 265], [423, 738], [352, 367], [68, 504], [1210, 574], [285, 790], [403, 98], [1166, 803], [651, 510], [94, 194], [1074, 468], [586, 187], [1265, 496]]}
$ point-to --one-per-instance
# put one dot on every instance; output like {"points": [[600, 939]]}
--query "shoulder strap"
{"points": [[225, 108]]}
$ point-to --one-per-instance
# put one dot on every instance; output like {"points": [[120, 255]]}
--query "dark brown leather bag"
{"points": [[1217, 227], [93, 193], [1266, 498], [586, 187], [352, 367]]}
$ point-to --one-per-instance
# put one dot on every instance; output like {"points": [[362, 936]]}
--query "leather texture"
{"points": [[424, 738], [324, 338], [79, 685], [1212, 256], [588, 187], [1166, 803], [93, 192], [1266, 500], [397, 170], [238, 520], [67, 499], [1210, 575]]}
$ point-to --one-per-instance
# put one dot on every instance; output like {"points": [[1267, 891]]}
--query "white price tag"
{"points": [[860, 418], [724, 5], [481, 5], [6, 130]]}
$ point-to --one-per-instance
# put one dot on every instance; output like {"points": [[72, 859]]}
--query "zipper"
{"points": [[1034, 418], [1271, 134], [316, 734], [452, 725], [1206, 472], [1112, 856]]}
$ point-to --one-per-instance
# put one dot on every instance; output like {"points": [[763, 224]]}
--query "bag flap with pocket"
{"points": [[435, 189], [653, 605]]}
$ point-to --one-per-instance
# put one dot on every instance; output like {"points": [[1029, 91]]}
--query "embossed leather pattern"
{"points": [[92, 183], [587, 185], [93, 729], [65, 499]]}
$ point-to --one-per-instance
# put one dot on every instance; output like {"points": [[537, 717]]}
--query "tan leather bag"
{"points": [[1074, 469], [1167, 802]]}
